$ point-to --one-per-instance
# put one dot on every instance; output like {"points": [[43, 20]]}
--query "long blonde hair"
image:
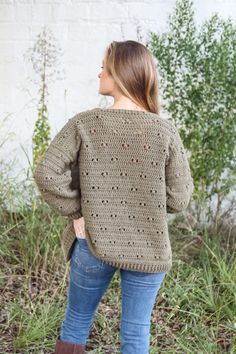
{"points": [[133, 69]]}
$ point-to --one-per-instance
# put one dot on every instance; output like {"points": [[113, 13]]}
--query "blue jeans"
{"points": [[89, 279]]}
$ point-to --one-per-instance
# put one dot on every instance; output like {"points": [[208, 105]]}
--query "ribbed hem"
{"points": [[149, 268]]}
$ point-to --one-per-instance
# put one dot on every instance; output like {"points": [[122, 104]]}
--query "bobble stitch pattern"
{"points": [[139, 256], [104, 144], [156, 256], [125, 145], [161, 205], [153, 191], [147, 147], [154, 163], [140, 230]]}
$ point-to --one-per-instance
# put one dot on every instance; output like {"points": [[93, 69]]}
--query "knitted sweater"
{"points": [[123, 171]]}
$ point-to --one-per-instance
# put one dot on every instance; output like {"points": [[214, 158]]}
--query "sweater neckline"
{"points": [[123, 110]]}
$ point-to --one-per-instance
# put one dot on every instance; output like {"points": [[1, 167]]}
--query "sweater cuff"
{"points": [[75, 215]]}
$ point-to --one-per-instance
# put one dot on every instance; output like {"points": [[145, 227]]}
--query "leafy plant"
{"points": [[198, 83]]}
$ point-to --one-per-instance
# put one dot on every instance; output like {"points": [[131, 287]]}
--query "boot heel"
{"points": [[68, 348]]}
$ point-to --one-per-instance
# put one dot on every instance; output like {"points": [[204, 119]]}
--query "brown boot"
{"points": [[69, 348]]}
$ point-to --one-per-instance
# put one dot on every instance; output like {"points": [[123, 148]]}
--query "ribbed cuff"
{"points": [[171, 210], [75, 215]]}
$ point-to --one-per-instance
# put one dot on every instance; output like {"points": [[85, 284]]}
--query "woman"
{"points": [[116, 173]]}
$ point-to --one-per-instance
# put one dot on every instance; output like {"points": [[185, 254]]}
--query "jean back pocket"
{"points": [[83, 257]]}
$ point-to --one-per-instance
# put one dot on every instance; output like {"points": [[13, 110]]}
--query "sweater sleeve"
{"points": [[54, 172], [179, 182]]}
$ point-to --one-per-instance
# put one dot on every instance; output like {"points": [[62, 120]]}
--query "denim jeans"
{"points": [[89, 279]]}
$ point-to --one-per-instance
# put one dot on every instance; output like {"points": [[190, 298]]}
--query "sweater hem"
{"points": [[149, 268]]}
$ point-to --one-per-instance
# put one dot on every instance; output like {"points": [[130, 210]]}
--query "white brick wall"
{"points": [[83, 29]]}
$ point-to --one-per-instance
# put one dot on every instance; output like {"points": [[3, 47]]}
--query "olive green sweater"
{"points": [[123, 171]]}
